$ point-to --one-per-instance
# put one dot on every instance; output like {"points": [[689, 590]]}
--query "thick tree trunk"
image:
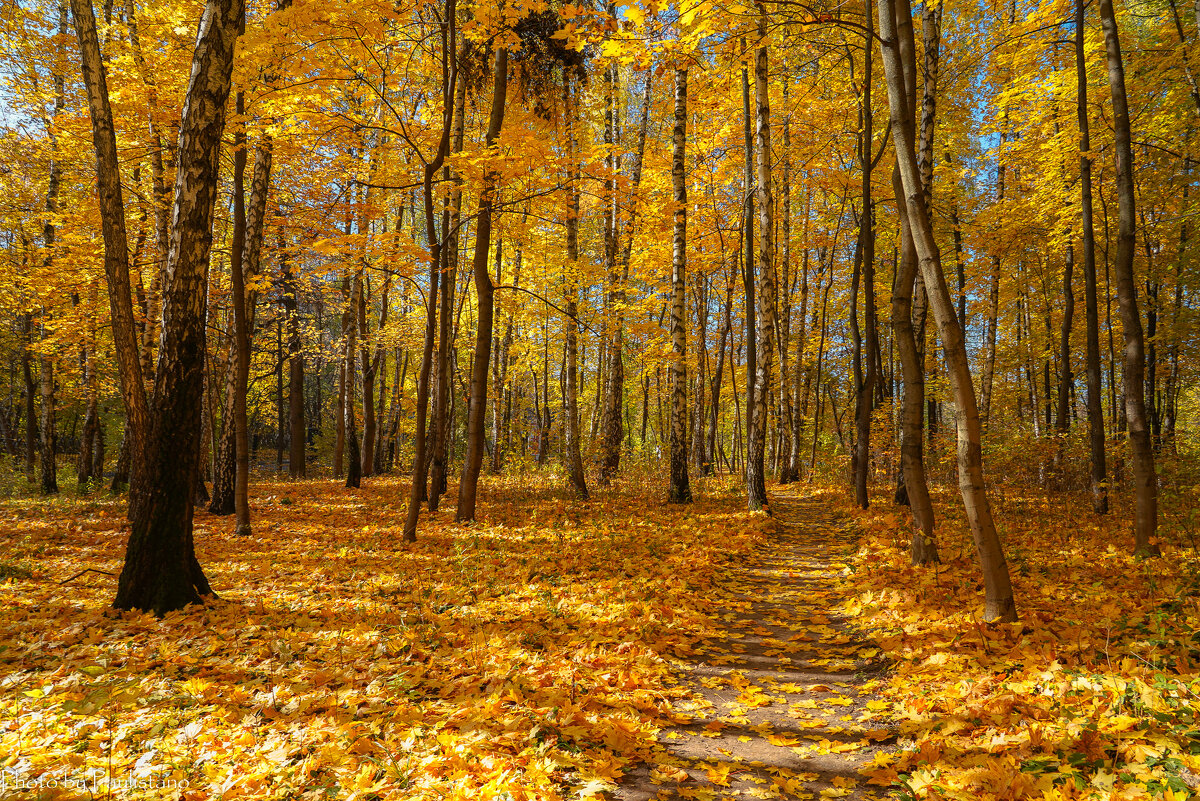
{"points": [[765, 289], [999, 603], [161, 572], [1145, 521], [484, 290], [908, 332], [680, 491]]}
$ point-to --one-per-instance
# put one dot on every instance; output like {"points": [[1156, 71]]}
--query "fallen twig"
{"points": [[86, 570]]}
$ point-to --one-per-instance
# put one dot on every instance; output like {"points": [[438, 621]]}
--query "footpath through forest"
{"points": [[782, 704]]}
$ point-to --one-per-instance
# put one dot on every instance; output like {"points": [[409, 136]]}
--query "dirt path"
{"points": [[782, 705]]}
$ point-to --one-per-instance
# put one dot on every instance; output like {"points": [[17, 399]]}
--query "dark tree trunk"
{"points": [[571, 400], [116, 246], [296, 431], [898, 64], [1145, 521], [449, 85], [353, 456], [748, 271], [484, 290], [865, 395], [161, 572]]}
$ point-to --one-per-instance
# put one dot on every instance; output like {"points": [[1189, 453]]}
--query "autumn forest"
{"points": [[538, 400]]}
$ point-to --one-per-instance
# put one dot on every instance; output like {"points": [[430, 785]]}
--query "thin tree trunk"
{"points": [[864, 399], [714, 416], [573, 456], [766, 288], [1063, 410], [353, 456], [339, 423], [31, 426], [297, 435], [49, 428], [612, 431], [484, 291], [116, 245], [680, 490], [451, 218], [748, 272], [999, 603], [1145, 521], [244, 302]]}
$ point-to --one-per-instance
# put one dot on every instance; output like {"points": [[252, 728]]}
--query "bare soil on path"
{"points": [[783, 703]]}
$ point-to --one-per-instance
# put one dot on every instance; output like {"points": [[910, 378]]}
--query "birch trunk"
{"points": [[680, 490]]}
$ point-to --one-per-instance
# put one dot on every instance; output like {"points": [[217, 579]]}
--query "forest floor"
{"points": [[621, 647], [783, 702]]}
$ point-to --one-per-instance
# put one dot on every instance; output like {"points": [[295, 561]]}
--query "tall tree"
{"points": [[865, 379], [999, 601], [484, 292], [765, 286], [905, 331], [1145, 484], [448, 34], [680, 490], [571, 380], [161, 572]]}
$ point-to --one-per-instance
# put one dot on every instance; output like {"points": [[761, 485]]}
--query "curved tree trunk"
{"points": [[999, 602], [573, 456], [420, 465], [477, 408]]}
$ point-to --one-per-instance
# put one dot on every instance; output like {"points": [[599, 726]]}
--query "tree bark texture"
{"points": [[680, 491], [484, 290], [1145, 519], [765, 287], [999, 601], [161, 572]]}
